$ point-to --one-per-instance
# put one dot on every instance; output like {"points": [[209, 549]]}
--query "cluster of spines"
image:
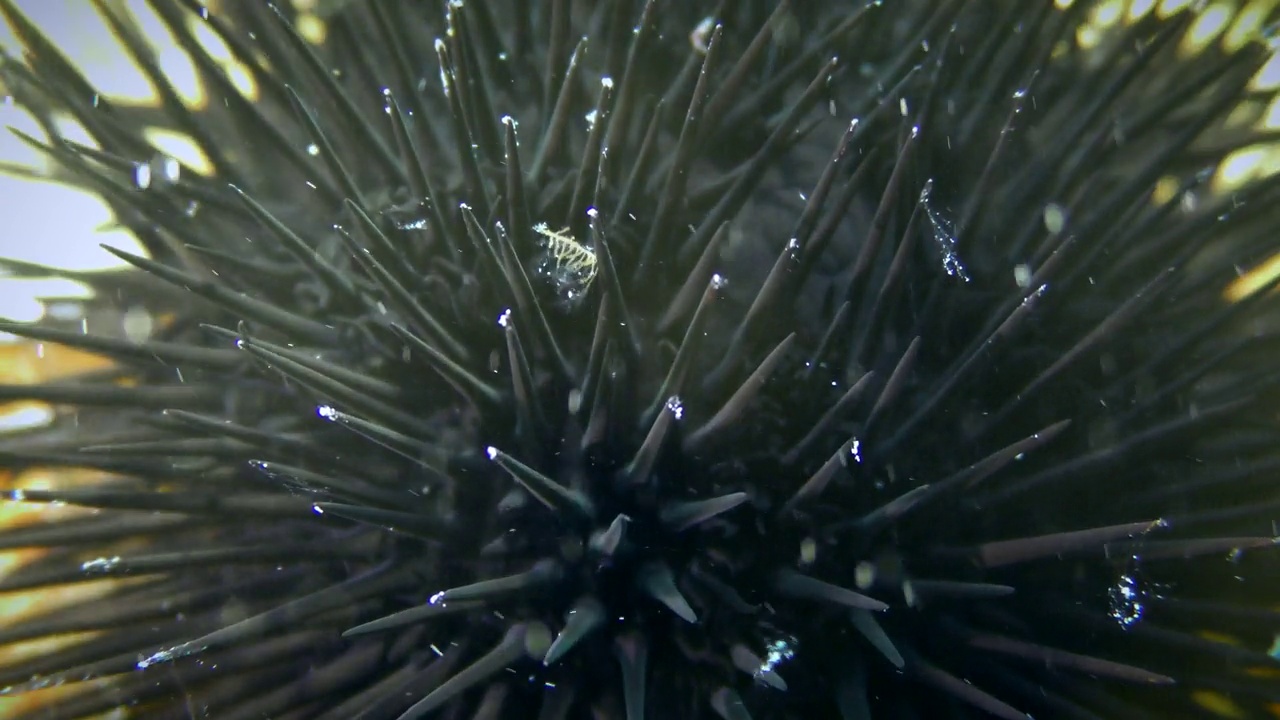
{"points": [[494, 231]]}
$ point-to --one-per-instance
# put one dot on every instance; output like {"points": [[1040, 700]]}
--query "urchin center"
{"points": [[617, 545]]}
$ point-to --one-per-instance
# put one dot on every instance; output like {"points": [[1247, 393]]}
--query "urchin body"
{"points": [[478, 399]]}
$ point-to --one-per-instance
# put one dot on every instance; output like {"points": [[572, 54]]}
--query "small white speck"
{"points": [[676, 407]]}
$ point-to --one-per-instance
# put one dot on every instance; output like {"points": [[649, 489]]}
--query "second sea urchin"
{"points": [[461, 405]]}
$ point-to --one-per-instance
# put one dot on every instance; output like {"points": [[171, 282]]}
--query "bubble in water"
{"points": [[161, 171], [100, 565], [1128, 596], [142, 175], [170, 168]]}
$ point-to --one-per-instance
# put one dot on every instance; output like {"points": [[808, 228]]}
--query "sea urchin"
{"points": [[842, 362]]}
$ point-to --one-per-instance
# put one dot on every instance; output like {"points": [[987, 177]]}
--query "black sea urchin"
{"points": [[463, 406]]}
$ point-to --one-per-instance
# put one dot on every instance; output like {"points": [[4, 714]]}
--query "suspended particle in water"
{"points": [[569, 265], [944, 235]]}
